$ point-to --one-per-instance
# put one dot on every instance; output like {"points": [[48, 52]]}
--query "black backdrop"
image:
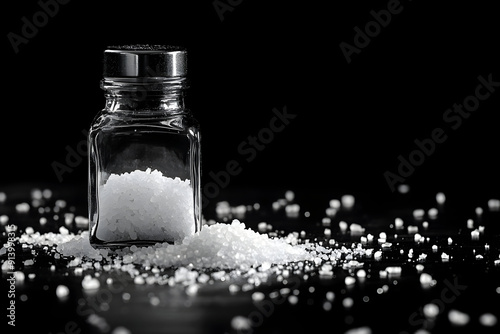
{"points": [[352, 120]]}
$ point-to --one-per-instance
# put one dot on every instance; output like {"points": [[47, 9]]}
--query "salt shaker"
{"points": [[144, 151]]}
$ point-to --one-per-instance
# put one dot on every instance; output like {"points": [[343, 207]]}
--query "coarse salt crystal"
{"points": [[458, 318]]}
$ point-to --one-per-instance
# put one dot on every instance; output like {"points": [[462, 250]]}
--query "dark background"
{"points": [[353, 120]]}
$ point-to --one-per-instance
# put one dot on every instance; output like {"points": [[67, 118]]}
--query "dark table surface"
{"points": [[394, 304]]}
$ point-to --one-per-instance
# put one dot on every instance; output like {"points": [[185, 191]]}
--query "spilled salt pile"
{"points": [[132, 207], [221, 246], [224, 246]]}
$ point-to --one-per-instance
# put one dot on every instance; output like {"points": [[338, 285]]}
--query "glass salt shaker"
{"points": [[144, 151]]}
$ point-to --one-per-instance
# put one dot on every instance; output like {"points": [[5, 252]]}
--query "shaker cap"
{"points": [[143, 60]]}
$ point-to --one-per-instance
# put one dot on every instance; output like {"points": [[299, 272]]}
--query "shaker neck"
{"points": [[144, 97]]}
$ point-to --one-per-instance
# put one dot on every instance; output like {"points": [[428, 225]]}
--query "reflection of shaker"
{"points": [[144, 151]]}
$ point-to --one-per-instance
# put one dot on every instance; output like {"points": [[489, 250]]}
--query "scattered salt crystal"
{"points": [[330, 296], [293, 300], [479, 257], [403, 188], [19, 276], [479, 211], [4, 219], [425, 225], [378, 255], [494, 204], [192, 289], [417, 237], [335, 203], [3, 197], [412, 229], [47, 193], [327, 232], [90, 283], [233, 288], [327, 306], [430, 310], [241, 323], [450, 241], [488, 320], [347, 302], [386, 245], [475, 235], [361, 273], [480, 229], [22, 207], [418, 213], [470, 224], [440, 198], [356, 229], [347, 201], [29, 230], [458, 318], [445, 257], [81, 222], [62, 291], [289, 195], [432, 213], [393, 271], [331, 212], [359, 330], [258, 296], [419, 268], [398, 223], [343, 226], [121, 330], [262, 227], [349, 280], [326, 221], [434, 248], [425, 279], [28, 262]]}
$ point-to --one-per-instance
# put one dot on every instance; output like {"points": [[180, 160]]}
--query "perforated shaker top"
{"points": [[142, 60]]}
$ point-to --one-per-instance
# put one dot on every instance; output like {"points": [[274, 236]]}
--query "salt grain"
{"points": [[121, 330], [359, 330], [335, 203], [458, 318], [22, 207], [488, 320], [4, 219], [430, 310], [425, 279], [403, 188], [62, 291], [347, 201], [347, 302], [90, 283], [494, 204], [241, 323], [432, 213], [440, 198], [349, 280], [418, 213]]}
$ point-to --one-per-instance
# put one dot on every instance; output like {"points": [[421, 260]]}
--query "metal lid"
{"points": [[142, 60]]}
